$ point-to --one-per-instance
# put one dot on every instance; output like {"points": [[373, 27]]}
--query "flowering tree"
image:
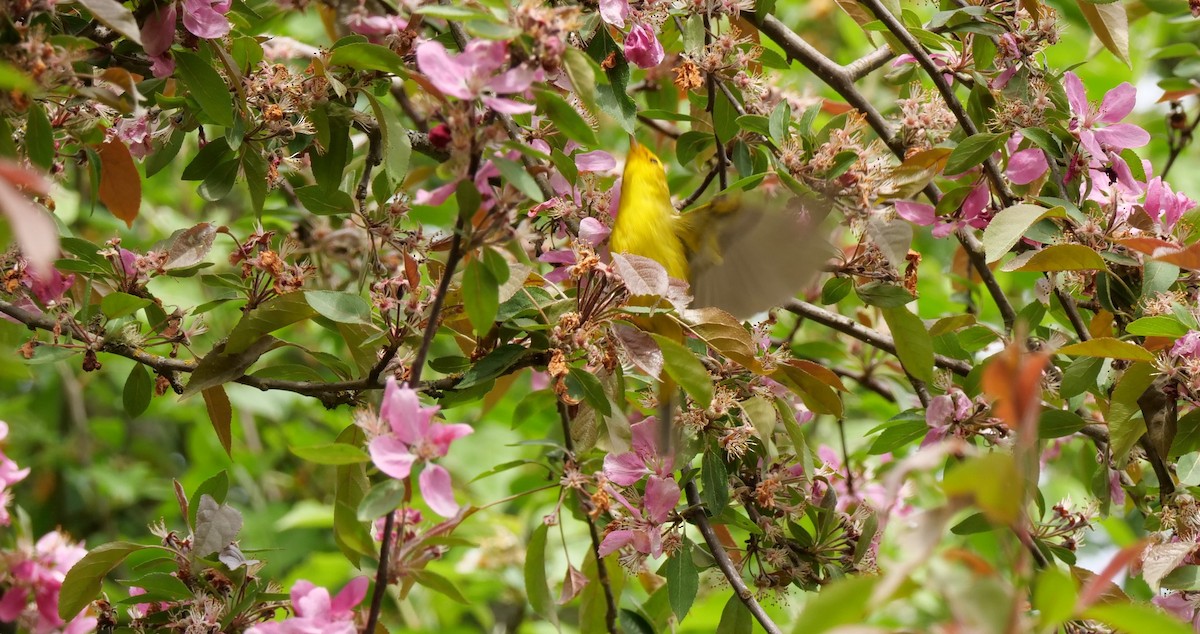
{"points": [[367, 246]]}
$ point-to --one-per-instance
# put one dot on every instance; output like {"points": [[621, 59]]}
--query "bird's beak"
{"points": [[633, 142]]}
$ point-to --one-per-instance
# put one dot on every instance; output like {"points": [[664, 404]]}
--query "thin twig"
{"points": [[658, 127], [866, 335], [711, 80], [732, 574], [1068, 304], [694, 196], [1184, 140], [610, 602], [914, 47], [418, 365]]}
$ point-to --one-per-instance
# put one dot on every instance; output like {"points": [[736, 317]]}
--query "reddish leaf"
{"points": [[221, 415], [120, 183], [1187, 258], [1013, 379], [33, 229], [1146, 245], [1101, 585]]}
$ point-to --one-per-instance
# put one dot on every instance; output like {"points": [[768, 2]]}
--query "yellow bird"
{"points": [[738, 257]]}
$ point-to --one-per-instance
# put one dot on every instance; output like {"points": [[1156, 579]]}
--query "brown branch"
{"points": [[700, 520], [848, 326], [1068, 304]]}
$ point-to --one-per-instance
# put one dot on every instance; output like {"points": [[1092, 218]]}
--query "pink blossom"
{"points": [[10, 474], [1181, 605], [206, 18], [943, 412], [136, 133], [644, 530], [415, 437], [472, 74], [1026, 166], [973, 213], [1187, 345], [1105, 141], [940, 60], [33, 581], [592, 231], [642, 460], [614, 12], [1164, 205], [642, 47], [374, 25], [158, 34], [317, 613]]}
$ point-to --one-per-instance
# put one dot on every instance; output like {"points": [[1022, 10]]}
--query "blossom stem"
{"points": [[700, 519], [610, 602], [414, 377], [711, 80]]}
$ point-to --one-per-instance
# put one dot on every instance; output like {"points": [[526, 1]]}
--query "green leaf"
{"points": [[82, 583], [836, 289], [1111, 25], [206, 86], [1109, 348], [1006, 229], [1054, 596], [780, 118], [715, 478], [584, 386], [683, 579], [973, 151], [1157, 326], [219, 182], [683, 366], [1187, 439], [117, 305], [1188, 470], [735, 617], [161, 586], [914, 346], [583, 77], [898, 435], [1135, 618], [1057, 423], [989, 480], [367, 56], [438, 583], [565, 118], [883, 295], [323, 202], [517, 176], [381, 499], [216, 487], [537, 587], [272, 315], [138, 390], [481, 296], [1125, 423], [117, 17], [335, 453], [39, 137], [1064, 257], [845, 602], [492, 366], [340, 307]]}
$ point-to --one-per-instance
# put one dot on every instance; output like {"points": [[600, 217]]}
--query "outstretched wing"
{"points": [[746, 257]]}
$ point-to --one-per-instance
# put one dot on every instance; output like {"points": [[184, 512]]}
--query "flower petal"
{"points": [[614, 12], [613, 542], [642, 47], [158, 31], [916, 213], [515, 80], [1117, 103], [445, 72], [205, 19], [391, 456], [402, 410], [625, 469], [507, 106], [662, 495], [443, 434], [598, 161], [438, 491], [593, 231], [1027, 165], [1122, 136], [1076, 94], [350, 596]]}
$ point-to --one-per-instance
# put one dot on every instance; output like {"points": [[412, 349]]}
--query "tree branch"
{"points": [[848, 326], [718, 552]]}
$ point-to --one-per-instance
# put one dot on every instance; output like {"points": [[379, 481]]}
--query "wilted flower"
{"points": [[943, 412], [415, 437], [472, 74], [614, 12], [158, 34], [642, 47], [317, 612]]}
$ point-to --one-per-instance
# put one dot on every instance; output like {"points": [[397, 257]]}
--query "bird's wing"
{"points": [[747, 257]]}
